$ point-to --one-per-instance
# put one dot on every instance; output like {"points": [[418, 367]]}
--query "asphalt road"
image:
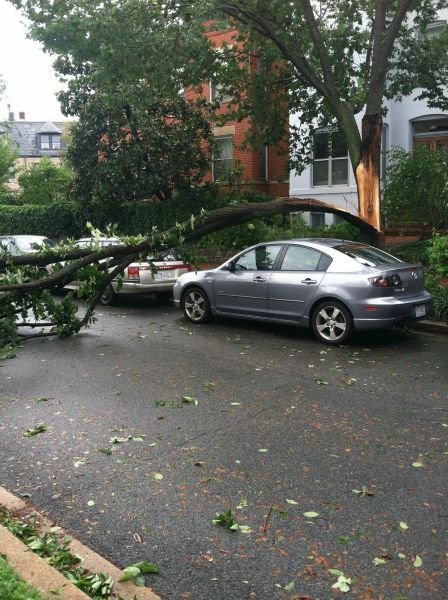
{"points": [[282, 426]]}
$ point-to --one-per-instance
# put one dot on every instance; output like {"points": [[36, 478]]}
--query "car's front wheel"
{"points": [[108, 297], [332, 322], [196, 305]]}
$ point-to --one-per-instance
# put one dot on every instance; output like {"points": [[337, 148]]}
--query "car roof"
{"points": [[330, 242]]}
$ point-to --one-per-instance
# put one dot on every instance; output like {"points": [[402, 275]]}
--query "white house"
{"points": [[331, 179]]}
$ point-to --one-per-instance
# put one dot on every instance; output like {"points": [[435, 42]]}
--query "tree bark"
{"points": [[367, 171]]}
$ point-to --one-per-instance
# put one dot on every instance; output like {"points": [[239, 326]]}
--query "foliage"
{"points": [[439, 310], [136, 135], [324, 61], [55, 549], [52, 220], [416, 187], [413, 252], [12, 587], [7, 160], [136, 152], [438, 255], [279, 227], [45, 182]]}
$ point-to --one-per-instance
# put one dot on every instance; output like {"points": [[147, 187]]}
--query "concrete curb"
{"points": [[38, 573], [432, 326]]}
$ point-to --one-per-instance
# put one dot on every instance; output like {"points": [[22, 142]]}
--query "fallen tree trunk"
{"points": [[110, 261]]}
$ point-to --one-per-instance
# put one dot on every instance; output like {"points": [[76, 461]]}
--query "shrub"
{"points": [[439, 293], [413, 252], [45, 182], [438, 255], [416, 187], [53, 220]]}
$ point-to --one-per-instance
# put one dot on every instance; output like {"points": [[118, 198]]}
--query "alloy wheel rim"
{"points": [[331, 323], [194, 306]]}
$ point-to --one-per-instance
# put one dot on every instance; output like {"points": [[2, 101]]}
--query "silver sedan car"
{"points": [[333, 286]]}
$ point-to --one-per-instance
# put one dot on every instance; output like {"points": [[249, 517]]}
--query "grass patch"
{"points": [[12, 587]]}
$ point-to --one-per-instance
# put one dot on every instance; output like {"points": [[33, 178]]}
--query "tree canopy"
{"points": [[126, 61]]}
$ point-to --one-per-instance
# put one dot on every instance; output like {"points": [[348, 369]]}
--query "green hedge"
{"points": [[69, 219], [54, 221]]}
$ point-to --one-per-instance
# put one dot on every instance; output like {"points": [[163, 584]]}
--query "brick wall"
{"points": [[276, 181]]}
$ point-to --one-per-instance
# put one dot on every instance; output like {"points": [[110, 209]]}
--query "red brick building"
{"points": [[266, 170]]}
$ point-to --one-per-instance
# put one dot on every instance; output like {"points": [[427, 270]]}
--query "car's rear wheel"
{"points": [[332, 322], [109, 296], [196, 305]]}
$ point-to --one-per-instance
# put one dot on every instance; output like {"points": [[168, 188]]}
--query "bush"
{"points": [[416, 187], [278, 227], [414, 252], [439, 293], [53, 220], [438, 255], [45, 182]]}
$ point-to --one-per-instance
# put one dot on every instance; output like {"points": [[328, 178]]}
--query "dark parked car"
{"points": [[332, 286]]}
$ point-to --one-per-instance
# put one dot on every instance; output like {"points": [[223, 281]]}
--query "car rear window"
{"points": [[368, 255], [165, 256], [28, 245]]}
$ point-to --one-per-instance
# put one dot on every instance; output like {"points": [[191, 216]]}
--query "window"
{"points": [[330, 158], [299, 258], [261, 258], [218, 92], [263, 164], [435, 29], [49, 141], [431, 131], [366, 255], [222, 157], [317, 220]]}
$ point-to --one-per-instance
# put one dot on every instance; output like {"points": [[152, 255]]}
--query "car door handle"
{"points": [[259, 279], [309, 281]]}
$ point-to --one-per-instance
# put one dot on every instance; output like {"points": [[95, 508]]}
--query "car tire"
{"points": [[108, 297], [332, 322], [196, 305]]}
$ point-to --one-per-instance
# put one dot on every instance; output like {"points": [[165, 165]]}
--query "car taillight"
{"points": [[133, 273], [386, 280]]}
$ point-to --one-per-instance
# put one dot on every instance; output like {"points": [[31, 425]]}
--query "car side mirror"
{"points": [[231, 266]]}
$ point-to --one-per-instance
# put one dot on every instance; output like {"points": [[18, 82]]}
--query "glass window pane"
{"points": [[321, 145], [299, 258], [320, 172], [258, 259], [368, 255], [338, 144], [45, 142], [55, 142], [339, 171]]}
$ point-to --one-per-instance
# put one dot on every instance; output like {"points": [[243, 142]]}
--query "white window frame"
{"points": [[329, 159], [217, 158]]}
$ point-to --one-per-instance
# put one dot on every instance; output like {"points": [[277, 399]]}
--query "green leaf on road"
{"points": [[40, 428], [190, 400], [418, 562], [146, 567], [310, 515], [129, 573]]}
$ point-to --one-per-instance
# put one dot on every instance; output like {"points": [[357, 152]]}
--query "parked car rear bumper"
{"points": [[386, 312], [141, 288]]}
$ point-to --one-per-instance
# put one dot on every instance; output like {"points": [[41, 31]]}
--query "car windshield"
{"points": [[28, 245], [368, 255]]}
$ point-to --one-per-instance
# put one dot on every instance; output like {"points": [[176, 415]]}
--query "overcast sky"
{"points": [[30, 81]]}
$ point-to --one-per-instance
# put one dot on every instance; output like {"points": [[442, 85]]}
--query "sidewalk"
{"points": [[429, 325], [35, 571]]}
